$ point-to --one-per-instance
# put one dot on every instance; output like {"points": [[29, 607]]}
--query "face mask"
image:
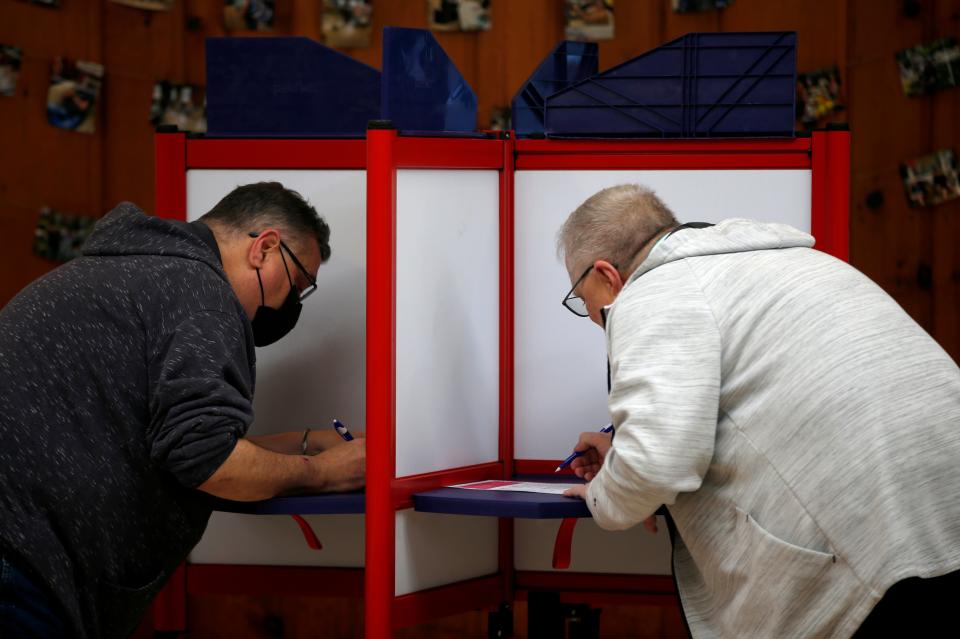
{"points": [[271, 324]]}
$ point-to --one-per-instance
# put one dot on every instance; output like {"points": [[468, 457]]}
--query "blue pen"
{"points": [[566, 462], [342, 430]]}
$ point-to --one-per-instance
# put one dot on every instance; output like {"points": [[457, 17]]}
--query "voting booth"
{"points": [[438, 330]]}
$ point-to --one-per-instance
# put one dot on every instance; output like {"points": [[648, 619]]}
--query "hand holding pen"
{"points": [[342, 430], [588, 454]]}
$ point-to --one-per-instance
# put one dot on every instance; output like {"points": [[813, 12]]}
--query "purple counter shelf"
{"points": [[332, 504], [501, 503]]}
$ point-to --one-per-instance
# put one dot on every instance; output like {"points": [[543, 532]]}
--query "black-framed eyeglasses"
{"points": [[307, 292], [574, 303]]}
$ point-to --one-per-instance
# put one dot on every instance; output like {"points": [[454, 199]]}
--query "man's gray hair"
{"points": [[613, 225]]}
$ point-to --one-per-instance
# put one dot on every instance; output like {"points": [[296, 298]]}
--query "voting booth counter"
{"points": [[438, 330]]}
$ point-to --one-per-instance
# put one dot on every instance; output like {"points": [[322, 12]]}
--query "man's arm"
{"points": [[289, 443], [252, 473]]}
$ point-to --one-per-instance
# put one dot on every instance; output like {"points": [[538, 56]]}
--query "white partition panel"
{"points": [[309, 377], [633, 551], [447, 319], [276, 540], [560, 359], [435, 550]]}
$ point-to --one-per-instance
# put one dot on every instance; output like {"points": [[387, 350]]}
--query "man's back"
{"points": [[836, 456], [111, 368]]}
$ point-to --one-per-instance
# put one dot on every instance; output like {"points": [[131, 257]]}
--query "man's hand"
{"points": [[594, 447], [252, 473], [650, 523], [341, 467]]}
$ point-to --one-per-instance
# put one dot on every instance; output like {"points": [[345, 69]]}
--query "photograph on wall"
{"points": [[148, 5], [179, 105], [929, 67], [694, 6], [500, 117], [458, 15], [931, 179], [248, 15], [59, 236], [9, 69], [818, 95], [73, 94], [347, 23], [589, 20]]}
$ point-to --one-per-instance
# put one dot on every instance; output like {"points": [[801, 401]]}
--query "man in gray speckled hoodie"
{"points": [[126, 389]]}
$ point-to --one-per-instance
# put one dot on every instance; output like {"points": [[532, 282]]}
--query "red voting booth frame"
{"points": [[825, 153]]}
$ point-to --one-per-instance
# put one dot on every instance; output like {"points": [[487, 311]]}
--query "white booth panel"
{"points": [[315, 373], [633, 551], [276, 540], [560, 387], [448, 300], [435, 550]]}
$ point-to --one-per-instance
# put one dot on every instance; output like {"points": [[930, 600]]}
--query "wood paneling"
{"points": [[912, 253]]}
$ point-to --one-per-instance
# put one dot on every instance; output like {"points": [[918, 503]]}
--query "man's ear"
{"points": [[610, 274], [263, 243]]}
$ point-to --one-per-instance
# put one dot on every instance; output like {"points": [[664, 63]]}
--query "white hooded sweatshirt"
{"points": [[802, 430]]}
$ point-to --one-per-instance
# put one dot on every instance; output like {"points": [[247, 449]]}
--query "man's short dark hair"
{"points": [[253, 207]]}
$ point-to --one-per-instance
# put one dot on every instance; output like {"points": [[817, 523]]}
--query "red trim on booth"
{"points": [[664, 154], [505, 528], [170, 605], [263, 581], [507, 274], [830, 193], [727, 145], [380, 551], [448, 153], [206, 153], [405, 487], [539, 467], [665, 161], [308, 535], [474, 594], [170, 173], [562, 544]]}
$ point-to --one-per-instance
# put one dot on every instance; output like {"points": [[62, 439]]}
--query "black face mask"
{"points": [[271, 324]]}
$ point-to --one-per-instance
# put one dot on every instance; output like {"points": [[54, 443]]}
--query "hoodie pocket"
{"points": [[775, 583], [121, 608]]}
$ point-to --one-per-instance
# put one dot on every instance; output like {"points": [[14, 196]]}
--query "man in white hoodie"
{"points": [[802, 431]]}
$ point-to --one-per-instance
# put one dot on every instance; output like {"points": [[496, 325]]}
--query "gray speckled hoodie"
{"points": [[126, 378]]}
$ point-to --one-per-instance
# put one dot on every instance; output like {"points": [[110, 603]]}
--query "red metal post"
{"points": [[380, 564], [830, 197], [170, 169]]}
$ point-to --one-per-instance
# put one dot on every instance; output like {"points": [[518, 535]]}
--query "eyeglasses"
{"points": [[574, 303], [307, 292]]}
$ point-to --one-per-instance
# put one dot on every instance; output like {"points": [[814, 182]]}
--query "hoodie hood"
{"points": [[128, 231], [730, 236]]}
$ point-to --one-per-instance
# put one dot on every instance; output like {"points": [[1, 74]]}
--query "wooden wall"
{"points": [[912, 253]]}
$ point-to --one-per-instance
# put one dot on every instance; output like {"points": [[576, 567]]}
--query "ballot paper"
{"points": [[549, 488]]}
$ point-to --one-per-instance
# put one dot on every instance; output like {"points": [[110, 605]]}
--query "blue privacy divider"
{"points": [[699, 85], [281, 87], [568, 63], [422, 90]]}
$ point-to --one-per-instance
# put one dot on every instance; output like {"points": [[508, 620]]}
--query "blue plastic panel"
{"points": [[287, 87], [699, 85], [422, 90], [568, 63]]}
